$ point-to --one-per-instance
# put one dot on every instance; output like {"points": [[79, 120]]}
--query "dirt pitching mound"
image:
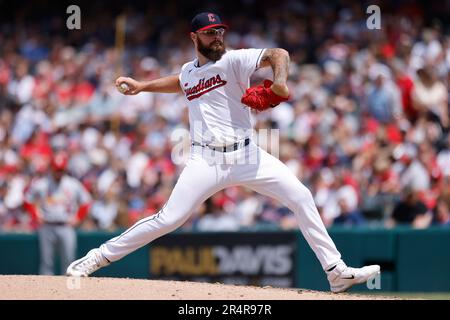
{"points": [[68, 288]]}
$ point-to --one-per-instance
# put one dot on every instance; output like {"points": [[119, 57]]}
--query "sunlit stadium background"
{"points": [[366, 130]]}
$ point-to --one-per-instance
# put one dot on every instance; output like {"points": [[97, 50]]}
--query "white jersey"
{"points": [[213, 93], [57, 202]]}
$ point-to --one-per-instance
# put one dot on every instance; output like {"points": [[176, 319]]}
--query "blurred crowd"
{"points": [[366, 128]]}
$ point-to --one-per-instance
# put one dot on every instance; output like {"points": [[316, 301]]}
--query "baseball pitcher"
{"points": [[216, 88]]}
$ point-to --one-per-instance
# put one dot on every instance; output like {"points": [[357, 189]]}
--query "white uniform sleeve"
{"points": [[32, 193], [83, 195], [246, 61], [181, 72]]}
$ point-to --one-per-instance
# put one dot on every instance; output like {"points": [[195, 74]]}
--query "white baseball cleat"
{"points": [[90, 263], [342, 277]]}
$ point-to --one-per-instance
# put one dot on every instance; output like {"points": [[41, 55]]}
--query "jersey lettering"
{"points": [[204, 86]]}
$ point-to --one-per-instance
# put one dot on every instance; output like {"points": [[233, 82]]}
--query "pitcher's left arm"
{"points": [[278, 59]]}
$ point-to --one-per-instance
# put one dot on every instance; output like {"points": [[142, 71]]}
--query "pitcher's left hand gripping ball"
{"points": [[262, 97]]}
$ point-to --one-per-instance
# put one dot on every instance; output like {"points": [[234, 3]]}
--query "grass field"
{"points": [[418, 295]]}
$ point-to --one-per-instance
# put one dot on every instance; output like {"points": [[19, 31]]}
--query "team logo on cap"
{"points": [[211, 17]]}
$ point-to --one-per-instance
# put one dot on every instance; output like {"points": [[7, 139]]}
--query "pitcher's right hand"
{"points": [[134, 87]]}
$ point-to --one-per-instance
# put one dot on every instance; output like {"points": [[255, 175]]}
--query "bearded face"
{"points": [[213, 51]]}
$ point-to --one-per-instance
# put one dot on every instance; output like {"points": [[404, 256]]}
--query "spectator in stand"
{"points": [[405, 84], [347, 204], [215, 218], [349, 215], [372, 103], [442, 211], [415, 174], [430, 97], [443, 159], [383, 96], [410, 211]]}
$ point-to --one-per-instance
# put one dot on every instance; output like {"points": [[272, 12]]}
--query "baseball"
{"points": [[123, 87]]}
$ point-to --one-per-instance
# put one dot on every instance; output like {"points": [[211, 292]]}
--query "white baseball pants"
{"points": [[205, 174]]}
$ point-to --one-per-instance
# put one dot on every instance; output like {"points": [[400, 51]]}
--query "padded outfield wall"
{"points": [[411, 260]]}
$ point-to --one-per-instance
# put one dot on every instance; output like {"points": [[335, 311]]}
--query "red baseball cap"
{"points": [[59, 161], [206, 20]]}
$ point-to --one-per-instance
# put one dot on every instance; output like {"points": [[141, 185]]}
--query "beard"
{"points": [[214, 51]]}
